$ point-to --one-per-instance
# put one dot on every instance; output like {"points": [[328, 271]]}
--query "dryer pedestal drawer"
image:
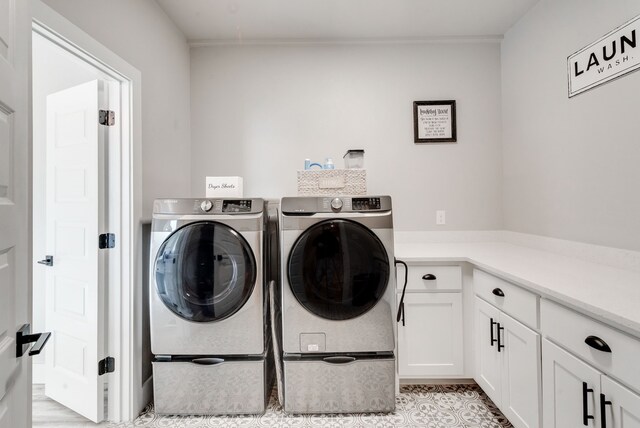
{"points": [[229, 387], [340, 386]]}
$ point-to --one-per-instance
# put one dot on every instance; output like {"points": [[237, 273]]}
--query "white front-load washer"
{"points": [[338, 300], [207, 306]]}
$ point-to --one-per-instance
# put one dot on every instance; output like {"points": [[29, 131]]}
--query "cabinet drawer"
{"points": [[570, 330], [444, 278], [515, 301]]}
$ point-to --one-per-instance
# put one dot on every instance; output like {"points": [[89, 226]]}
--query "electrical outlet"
{"points": [[441, 217]]}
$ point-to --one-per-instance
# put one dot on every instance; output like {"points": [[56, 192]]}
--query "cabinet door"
{"points": [[569, 389], [624, 410], [521, 373], [430, 342], [487, 356]]}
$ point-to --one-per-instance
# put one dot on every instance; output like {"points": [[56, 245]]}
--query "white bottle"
{"points": [[328, 164]]}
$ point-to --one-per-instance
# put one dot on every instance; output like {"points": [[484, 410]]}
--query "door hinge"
{"points": [[108, 365], [106, 240], [107, 117]]}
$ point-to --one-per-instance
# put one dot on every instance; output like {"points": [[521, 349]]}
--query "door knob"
{"points": [[24, 338], [48, 261]]}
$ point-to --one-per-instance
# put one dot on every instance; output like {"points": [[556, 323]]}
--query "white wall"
{"points": [[54, 69], [571, 166], [140, 33], [259, 111]]}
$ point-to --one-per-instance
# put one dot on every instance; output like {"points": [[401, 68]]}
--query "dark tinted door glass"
{"points": [[338, 269], [205, 272]]}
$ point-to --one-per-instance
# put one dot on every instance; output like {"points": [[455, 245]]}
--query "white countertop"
{"points": [[607, 293]]}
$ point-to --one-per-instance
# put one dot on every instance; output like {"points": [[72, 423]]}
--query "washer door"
{"points": [[205, 272], [338, 269]]}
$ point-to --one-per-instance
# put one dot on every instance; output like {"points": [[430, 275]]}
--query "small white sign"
{"points": [[615, 54], [224, 187]]}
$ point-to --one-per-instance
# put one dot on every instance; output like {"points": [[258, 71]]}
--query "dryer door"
{"points": [[338, 269], [205, 271]]}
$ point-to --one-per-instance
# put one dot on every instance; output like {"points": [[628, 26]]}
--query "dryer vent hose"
{"points": [[400, 315]]}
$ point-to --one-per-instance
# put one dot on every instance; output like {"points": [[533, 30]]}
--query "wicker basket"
{"points": [[328, 182]]}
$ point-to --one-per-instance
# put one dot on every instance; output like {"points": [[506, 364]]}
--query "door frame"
{"points": [[126, 393]]}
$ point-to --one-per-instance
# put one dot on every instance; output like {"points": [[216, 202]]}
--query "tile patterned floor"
{"points": [[431, 406]]}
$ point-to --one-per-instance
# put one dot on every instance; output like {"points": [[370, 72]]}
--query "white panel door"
{"points": [[15, 167], [430, 342], [488, 362], [521, 377], [570, 389], [624, 410], [75, 283]]}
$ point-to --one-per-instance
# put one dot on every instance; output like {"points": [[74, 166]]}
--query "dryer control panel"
{"points": [[208, 206], [236, 206]]}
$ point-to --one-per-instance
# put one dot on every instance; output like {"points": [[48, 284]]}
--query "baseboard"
{"points": [[465, 381]]}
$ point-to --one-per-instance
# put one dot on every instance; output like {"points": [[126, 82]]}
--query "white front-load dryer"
{"points": [[206, 277]]}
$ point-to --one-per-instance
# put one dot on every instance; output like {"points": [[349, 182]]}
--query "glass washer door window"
{"points": [[338, 269], [205, 271]]}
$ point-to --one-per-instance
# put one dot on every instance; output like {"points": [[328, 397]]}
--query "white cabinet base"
{"points": [[508, 364], [563, 379], [624, 410], [430, 342]]}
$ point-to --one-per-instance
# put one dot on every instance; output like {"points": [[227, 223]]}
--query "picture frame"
{"points": [[434, 121]]}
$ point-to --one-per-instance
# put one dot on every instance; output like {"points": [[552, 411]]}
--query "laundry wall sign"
{"points": [[614, 55]]}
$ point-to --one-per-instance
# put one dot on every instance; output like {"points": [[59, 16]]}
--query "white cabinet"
{"points": [[430, 334], [430, 341], [578, 378], [599, 345], [508, 364], [620, 408], [488, 364], [576, 394]]}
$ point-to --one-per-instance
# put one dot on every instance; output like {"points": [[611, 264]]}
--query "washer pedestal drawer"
{"points": [[229, 387], [337, 384]]}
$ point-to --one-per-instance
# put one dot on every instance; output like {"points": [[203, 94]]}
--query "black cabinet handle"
{"points": [[429, 277], [585, 406], [596, 343], [498, 292], [603, 410], [24, 338], [493, 340], [500, 345]]}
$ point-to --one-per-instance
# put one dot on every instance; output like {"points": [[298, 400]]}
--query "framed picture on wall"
{"points": [[434, 121]]}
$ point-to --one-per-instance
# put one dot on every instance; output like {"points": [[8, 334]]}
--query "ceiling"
{"points": [[237, 21]]}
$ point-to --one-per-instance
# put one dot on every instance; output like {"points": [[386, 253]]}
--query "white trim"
{"points": [[126, 392], [198, 43]]}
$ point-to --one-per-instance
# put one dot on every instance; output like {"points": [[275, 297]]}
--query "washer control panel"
{"points": [[365, 204], [342, 204], [336, 204]]}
